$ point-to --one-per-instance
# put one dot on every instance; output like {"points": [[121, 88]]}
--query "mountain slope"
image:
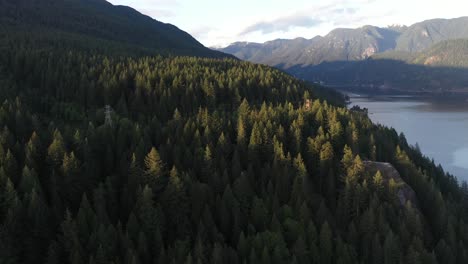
{"points": [[272, 52], [355, 44], [340, 44], [349, 44], [100, 19], [441, 69], [423, 35], [425, 57], [450, 53]]}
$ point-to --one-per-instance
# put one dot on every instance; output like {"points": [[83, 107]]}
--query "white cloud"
{"points": [[218, 22], [281, 24]]}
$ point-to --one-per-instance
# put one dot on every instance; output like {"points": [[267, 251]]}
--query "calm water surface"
{"points": [[439, 127]]}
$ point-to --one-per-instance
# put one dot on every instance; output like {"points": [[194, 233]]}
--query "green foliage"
{"points": [[206, 161]]}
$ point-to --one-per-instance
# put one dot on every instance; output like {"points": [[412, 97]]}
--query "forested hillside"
{"points": [[389, 76], [440, 70], [91, 21], [207, 161], [450, 53], [275, 52], [203, 161]]}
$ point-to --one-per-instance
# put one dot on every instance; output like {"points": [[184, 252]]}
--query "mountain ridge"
{"points": [[354, 44], [102, 20], [425, 57]]}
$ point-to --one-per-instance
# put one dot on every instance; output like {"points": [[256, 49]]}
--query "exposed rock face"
{"points": [[369, 52], [424, 33], [432, 60], [405, 192]]}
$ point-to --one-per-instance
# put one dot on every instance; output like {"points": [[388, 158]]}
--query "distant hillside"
{"points": [[340, 44], [441, 68], [425, 57], [423, 35], [272, 52], [101, 20], [452, 53], [388, 77], [349, 44], [399, 42]]}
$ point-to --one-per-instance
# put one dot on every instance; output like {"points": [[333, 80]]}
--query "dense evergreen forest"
{"points": [[381, 75], [202, 161]]}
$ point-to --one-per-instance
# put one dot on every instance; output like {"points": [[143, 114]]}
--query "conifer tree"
{"points": [[326, 246], [56, 149], [154, 170]]}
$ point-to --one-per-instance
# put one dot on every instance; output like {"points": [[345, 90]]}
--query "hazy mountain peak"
{"points": [[424, 34], [347, 44]]}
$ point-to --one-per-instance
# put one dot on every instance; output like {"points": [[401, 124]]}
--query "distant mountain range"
{"points": [[423, 35], [441, 69], [89, 20], [396, 56], [351, 44], [340, 44]]}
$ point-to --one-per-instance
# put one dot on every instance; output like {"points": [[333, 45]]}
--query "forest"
{"points": [[392, 76], [112, 156]]}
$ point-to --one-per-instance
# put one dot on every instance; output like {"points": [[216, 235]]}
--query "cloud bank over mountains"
{"points": [[219, 23]]}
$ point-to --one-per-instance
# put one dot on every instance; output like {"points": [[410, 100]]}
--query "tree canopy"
{"points": [[206, 161]]}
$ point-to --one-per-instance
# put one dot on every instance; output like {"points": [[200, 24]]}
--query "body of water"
{"points": [[439, 127]]}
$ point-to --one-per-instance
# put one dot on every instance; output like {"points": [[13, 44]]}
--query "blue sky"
{"points": [[221, 22]]}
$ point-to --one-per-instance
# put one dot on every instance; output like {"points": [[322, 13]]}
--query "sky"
{"points": [[218, 23]]}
